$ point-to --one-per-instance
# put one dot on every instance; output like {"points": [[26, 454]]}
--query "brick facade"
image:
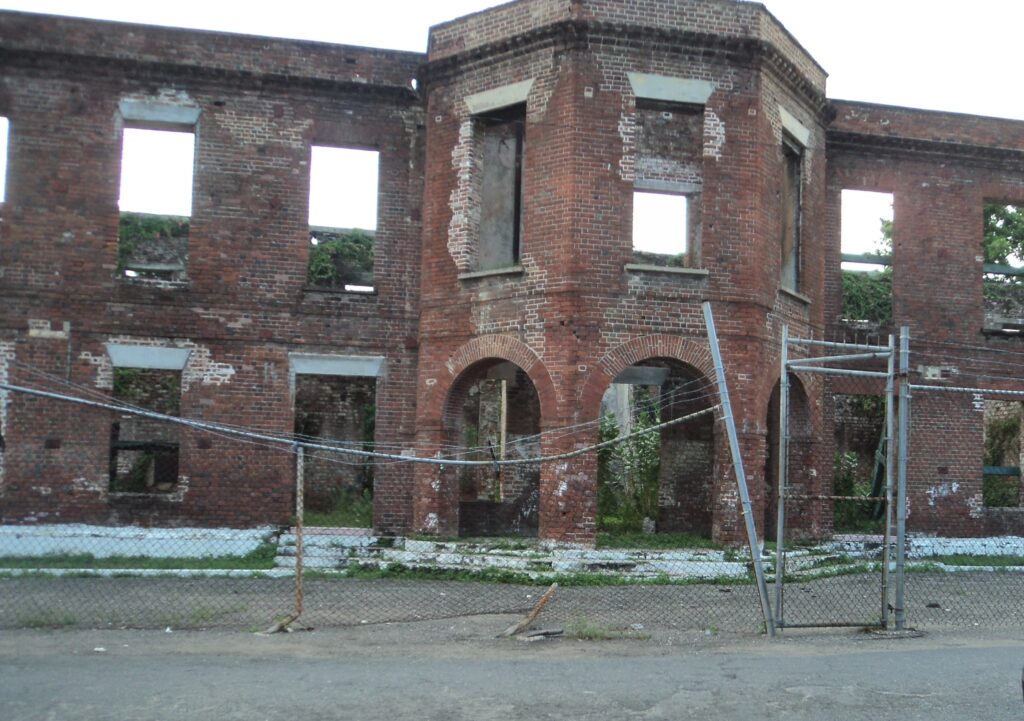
{"points": [[700, 96]]}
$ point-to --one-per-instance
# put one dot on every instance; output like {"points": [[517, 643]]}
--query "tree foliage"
{"points": [[1004, 233], [868, 296], [341, 258]]}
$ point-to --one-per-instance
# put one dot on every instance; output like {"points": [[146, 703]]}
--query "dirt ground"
{"points": [[456, 670], [963, 600]]}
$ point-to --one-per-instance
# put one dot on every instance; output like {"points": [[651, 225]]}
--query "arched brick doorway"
{"points": [[667, 479]]}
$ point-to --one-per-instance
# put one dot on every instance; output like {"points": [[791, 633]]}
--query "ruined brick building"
{"points": [[512, 157]]}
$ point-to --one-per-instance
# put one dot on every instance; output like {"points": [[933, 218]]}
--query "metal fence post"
{"points": [[783, 478], [901, 501], [890, 454], [741, 478], [300, 483]]}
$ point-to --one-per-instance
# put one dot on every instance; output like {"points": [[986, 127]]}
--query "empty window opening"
{"points": [[669, 177], [859, 465], [790, 196], [866, 246], [500, 138], [1001, 476], [343, 192], [1003, 283], [4, 133], [660, 228], [657, 481], [155, 203], [337, 410], [144, 451]]}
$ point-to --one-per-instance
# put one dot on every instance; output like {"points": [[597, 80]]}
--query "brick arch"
{"points": [[499, 347], [801, 390], [636, 351]]}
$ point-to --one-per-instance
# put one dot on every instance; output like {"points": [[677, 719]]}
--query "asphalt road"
{"points": [[456, 670]]}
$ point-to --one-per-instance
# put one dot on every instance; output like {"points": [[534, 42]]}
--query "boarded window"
{"points": [[343, 199], [669, 178], [791, 180], [144, 451], [155, 203], [500, 142]]}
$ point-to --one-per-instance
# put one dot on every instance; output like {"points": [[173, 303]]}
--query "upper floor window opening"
{"points": [[660, 228], [501, 140], [1002, 253], [791, 182], [155, 202], [866, 246], [668, 183], [343, 201]]}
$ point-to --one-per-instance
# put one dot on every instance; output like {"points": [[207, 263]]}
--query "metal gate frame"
{"points": [[849, 352]]}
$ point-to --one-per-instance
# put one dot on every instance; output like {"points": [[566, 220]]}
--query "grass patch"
{"points": [[47, 619], [631, 539], [350, 511], [261, 557], [585, 629]]}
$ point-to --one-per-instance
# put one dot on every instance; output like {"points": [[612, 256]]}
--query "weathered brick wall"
{"points": [[941, 169], [571, 317], [573, 304], [244, 306]]}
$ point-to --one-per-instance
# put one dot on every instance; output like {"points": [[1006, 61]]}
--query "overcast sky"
{"points": [[936, 54], [939, 54]]}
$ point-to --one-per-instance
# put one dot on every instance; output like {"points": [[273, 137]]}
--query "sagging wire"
{"points": [[436, 460], [678, 394]]}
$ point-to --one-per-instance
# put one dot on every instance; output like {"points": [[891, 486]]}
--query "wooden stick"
{"points": [[525, 623]]}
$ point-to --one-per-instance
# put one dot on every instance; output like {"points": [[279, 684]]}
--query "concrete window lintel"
{"points": [[497, 98], [667, 186], [145, 356], [140, 111], [336, 365], [670, 89], [799, 132]]}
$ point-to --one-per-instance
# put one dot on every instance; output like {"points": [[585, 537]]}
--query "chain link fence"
{"points": [[653, 565]]}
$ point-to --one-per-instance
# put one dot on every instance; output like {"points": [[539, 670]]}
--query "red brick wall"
{"points": [[571, 319], [244, 308]]}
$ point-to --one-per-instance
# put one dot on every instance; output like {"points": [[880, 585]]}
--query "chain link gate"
{"points": [[848, 579]]}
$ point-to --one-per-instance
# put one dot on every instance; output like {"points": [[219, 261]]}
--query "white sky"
{"points": [[650, 211], [156, 172], [936, 54], [329, 169]]}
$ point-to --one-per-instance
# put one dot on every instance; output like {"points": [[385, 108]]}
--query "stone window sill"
{"points": [[666, 270], [338, 291], [494, 272], [796, 296], [155, 283]]}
